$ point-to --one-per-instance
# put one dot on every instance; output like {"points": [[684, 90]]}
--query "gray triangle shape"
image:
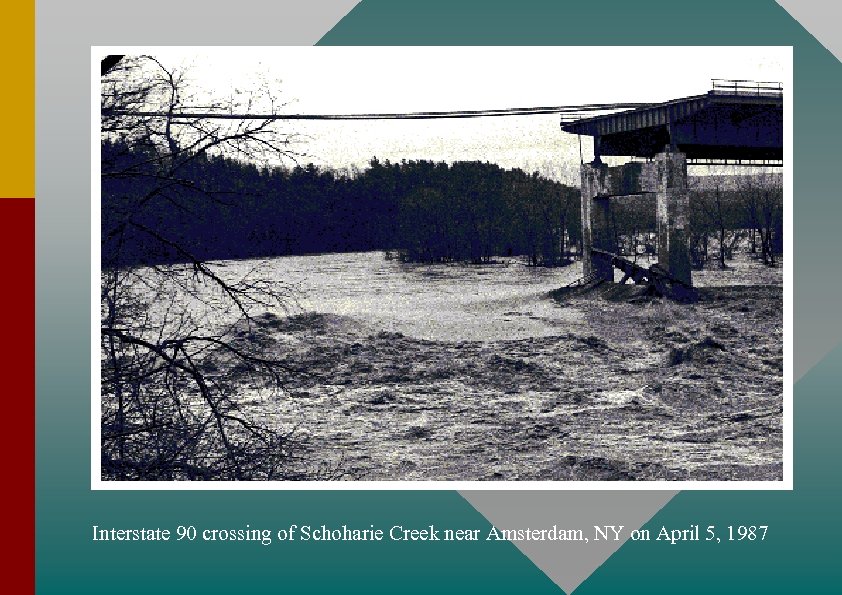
{"points": [[568, 563], [821, 18], [281, 22]]}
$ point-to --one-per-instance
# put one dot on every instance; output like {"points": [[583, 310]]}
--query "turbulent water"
{"points": [[446, 372], [438, 302]]}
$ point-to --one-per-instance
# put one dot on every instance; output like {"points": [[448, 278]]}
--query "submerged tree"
{"points": [[730, 209], [762, 200], [178, 342]]}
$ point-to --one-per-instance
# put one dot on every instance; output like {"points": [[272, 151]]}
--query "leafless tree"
{"points": [[715, 207], [185, 378], [762, 197]]}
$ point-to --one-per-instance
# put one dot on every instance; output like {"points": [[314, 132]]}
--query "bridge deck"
{"points": [[721, 124]]}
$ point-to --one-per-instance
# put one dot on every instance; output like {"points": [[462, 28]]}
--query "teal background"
{"points": [[804, 524]]}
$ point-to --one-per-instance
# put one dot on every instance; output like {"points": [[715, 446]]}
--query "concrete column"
{"points": [[594, 183], [673, 214]]}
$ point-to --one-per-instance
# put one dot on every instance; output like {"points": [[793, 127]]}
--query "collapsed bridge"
{"points": [[736, 122]]}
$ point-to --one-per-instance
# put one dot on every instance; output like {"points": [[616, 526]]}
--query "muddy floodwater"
{"points": [[453, 372]]}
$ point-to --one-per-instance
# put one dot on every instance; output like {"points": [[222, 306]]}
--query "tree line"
{"points": [[425, 211]]}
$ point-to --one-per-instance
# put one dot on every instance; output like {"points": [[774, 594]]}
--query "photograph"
{"points": [[442, 267]]}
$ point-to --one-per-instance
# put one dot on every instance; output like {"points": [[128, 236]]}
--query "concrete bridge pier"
{"points": [[666, 177], [673, 214], [735, 120], [596, 216]]}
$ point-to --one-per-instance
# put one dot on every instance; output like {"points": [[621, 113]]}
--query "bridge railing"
{"points": [[746, 87]]}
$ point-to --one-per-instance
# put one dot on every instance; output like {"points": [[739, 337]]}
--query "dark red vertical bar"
{"points": [[17, 354]]}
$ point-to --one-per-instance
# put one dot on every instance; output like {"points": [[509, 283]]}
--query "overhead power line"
{"points": [[567, 110]]}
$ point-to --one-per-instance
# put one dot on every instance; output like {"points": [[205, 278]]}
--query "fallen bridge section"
{"points": [[657, 278]]}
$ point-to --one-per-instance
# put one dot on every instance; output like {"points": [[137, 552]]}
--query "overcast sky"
{"points": [[331, 80]]}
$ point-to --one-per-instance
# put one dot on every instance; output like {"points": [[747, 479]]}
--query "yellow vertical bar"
{"points": [[17, 100]]}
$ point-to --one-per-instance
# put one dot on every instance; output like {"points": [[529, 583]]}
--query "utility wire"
{"points": [[567, 110]]}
